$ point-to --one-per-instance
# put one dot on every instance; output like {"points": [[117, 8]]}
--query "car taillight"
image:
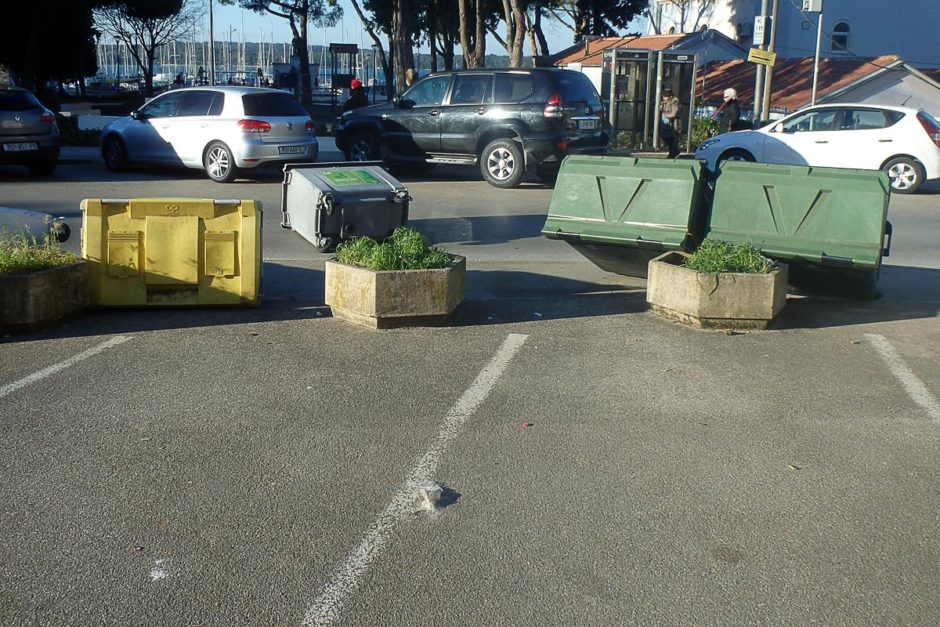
{"points": [[310, 126], [553, 106], [259, 126], [47, 117], [932, 131]]}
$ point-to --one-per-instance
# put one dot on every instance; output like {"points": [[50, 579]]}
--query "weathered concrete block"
{"points": [[715, 300], [39, 299], [394, 298]]}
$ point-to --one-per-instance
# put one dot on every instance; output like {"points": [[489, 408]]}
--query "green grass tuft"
{"points": [[21, 253], [718, 256], [405, 249]]}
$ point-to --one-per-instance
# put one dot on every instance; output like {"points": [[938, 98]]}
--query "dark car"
{"points": [[506, 121], [28, 132]]}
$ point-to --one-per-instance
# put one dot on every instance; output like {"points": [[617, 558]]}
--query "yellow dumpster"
{"points": [[172, 251]]}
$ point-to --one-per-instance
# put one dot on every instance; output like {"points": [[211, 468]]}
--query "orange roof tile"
{"points": [[591, 53], [792, 82]]}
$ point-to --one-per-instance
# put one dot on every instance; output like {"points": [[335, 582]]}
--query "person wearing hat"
{"points": [[357, 96], [729, 112]]}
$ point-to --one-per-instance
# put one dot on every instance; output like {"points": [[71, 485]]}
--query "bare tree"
{"points": [[514, 16], [472, 43], [694, 10], [143, 31]]}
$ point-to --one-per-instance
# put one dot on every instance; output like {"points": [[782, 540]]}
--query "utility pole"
{"points": [[759, 76], [765, 111], [211, 47], [815, 6]]}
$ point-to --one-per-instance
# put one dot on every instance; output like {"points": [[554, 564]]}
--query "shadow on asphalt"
{"points": [[477, 230], [904, 293]]}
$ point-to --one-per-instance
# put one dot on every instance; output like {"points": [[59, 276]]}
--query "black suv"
{"points": [[508, 121]]}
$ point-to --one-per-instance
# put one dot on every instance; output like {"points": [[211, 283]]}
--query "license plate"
{"points": [[586, 125], [292, 150], [24, 147]]}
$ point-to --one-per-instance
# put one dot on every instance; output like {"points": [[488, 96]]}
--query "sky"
{"points": [[349, 30]]}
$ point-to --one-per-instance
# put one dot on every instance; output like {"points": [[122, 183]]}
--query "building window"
{"points": [[840, 36]]}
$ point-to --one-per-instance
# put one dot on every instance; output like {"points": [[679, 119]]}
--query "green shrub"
{"points": [[718, 256], [406, 249], [71, 135], [21, 254], [702, 129]]}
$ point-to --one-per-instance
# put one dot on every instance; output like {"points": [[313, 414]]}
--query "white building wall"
{"points": [[895, 88], [907, 28]]}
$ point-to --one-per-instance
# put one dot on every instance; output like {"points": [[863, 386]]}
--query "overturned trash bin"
{"points": [[621, 212], [329, 202], [828, 224], [172, 251]]}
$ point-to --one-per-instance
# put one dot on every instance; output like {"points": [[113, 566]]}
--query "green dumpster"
{"points": [[829, 224], [620, 212]]}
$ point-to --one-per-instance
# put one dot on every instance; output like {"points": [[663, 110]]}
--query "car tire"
{"points": [[362, 147], [327, 244], [502, 163], [219, 163], [115, 155], [735, 154], [905, 174], [42, 168]]}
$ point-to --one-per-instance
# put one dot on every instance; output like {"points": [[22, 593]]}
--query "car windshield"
{"points": [[273, 104], [17, 101]]}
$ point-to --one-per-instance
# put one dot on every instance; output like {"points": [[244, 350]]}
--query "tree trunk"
{"points": [[151, 52], [303, 56], [473, 45], [400, 40]]}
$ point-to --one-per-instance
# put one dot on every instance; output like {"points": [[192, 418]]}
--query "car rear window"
{"points": [[575, 87], [18, 101], [272, 104]]}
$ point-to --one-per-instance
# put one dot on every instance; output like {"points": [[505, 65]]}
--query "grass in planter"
{"points": [[406, 249], [718, 256], [20, 254]]}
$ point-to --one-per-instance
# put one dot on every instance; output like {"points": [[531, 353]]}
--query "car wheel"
{"points": [[326, 244], [115, 155], [735, 154], [502, 163], [220, 164], [905, 174], [362, 147], [42, 168]]}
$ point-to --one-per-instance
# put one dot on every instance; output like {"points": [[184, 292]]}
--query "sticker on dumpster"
{"points": [[345, 178]]}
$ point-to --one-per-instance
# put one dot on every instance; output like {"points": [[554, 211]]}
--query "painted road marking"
{"points": [[326, 609], [914, 387], [9, 388]]}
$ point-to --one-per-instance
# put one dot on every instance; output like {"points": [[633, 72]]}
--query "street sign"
{"points": [[762, 24], [761, 57]]}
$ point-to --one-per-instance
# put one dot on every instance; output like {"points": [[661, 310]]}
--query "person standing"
{"points": [[669, 113], [357, 96], [729, 112]]}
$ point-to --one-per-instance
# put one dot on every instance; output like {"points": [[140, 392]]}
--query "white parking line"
{"points": [[9, 388], [914, 387], [327, 606]]}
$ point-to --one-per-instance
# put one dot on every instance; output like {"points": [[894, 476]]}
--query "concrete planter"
{"points": [[394, 298], [713, 300], [43, 298]]}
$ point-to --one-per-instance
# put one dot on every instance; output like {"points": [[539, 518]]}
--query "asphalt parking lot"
{"points": [[258, 466]]}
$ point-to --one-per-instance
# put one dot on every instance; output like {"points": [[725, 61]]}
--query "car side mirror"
{"points": [[138, 115], [396, 101]]}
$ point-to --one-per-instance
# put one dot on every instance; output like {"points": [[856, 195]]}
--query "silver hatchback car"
{"points": [[28, 132], [223, 130]]}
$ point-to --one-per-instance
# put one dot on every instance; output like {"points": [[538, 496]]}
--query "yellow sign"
{"points": [[761, 57]]}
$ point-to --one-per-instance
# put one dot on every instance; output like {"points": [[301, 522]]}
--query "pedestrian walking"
{"points": [[729, 113], [669, 114], [357, 96]]}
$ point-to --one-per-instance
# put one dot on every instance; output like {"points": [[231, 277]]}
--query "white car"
{"points": [[902, 142], [224, 130]]}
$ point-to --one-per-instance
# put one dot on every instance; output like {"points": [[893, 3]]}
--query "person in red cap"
{"points": [[357, 96]]}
